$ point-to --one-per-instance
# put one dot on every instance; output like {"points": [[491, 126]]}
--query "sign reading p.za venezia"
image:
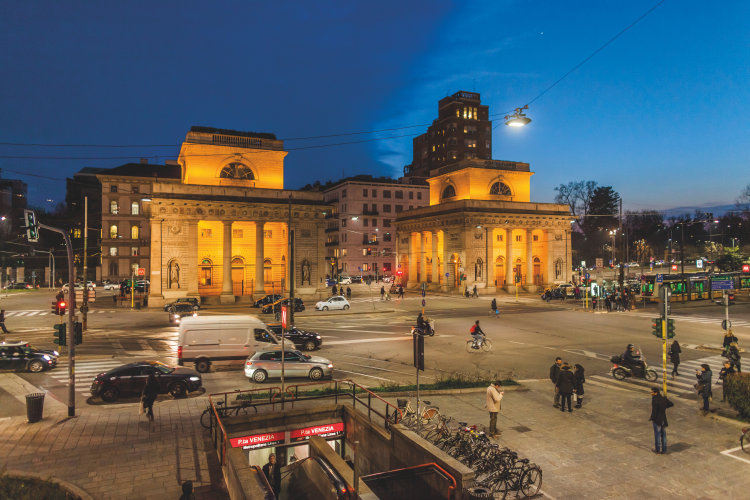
{"points": [[298, 435]]}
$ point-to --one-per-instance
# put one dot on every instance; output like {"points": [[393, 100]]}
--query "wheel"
{"points": [[202, 366], [619, 374], [470, 346], [745, 441], [259, 376], [346, 307], [486, 345], [325, 308], [477, 492], [36, 366], [206, 419], [309, 345], [109, 394], [531, 481], [178, 390], [650, 375], [432, 332], [316, 374]]}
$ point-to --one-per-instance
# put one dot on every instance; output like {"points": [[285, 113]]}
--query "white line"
{"points": [[728, 453], [360, 341], [381, 369], [363, 375]]}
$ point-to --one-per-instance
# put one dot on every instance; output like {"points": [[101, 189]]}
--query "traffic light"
{"points": [[54, 307], [670, 328], [61, 307], [32, 229], [78, 327], [60, 334], [656, 330]]}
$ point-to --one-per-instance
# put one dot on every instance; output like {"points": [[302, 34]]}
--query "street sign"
{"points": [[599, 262], [726, 324], [674, 267], [447, 274], [660, 278], [284, 317], [587, 276], [699, 263], [424, 302], [722, 284], [423, 292], [141, 271], [665, 292], [746, 268]]}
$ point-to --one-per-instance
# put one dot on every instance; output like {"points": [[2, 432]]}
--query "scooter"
{"points": [[621, 372], [430, 329]]}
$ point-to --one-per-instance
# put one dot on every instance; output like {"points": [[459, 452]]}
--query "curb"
{"points": [[69, 487], [728, 420], [448, 392]]}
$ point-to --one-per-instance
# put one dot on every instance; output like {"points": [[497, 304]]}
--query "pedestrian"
{"points": [[382, 293], [704, 386], [150, 391], [474, 292], [114, 300], [494, 395], [566, 385], [580, 380], [387, 295], [733, 355], [187, 491], [554, 374], [2, 321], [493, 306], [674, 357], [333, 290], [725, 372], [273, 473], [728, 339], [348, 292], [401, 291], [659, 405]]}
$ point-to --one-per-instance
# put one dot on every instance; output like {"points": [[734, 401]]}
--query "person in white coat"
{"points": [[494, 396]]}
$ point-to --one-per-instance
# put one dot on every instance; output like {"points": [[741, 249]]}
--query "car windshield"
{"points": [[162, 367]]}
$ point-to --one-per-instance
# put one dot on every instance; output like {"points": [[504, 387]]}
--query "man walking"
{"points": [[494, 395], [659, 405], [401, 291], [2, 321], [723, 375], [554, 374], [273, 473]]}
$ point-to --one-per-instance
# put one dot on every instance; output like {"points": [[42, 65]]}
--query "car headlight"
{"points": [[317, 337], [194, 379], [46, 357], [56, 353], [330, 365]]}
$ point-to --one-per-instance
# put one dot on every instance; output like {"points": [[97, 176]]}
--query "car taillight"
{"points": [[179, 352], [249, 363]]}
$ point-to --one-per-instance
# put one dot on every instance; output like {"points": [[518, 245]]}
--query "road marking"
{"points": [[360, 341], [381, 369], [365, 375], [728, 453]]}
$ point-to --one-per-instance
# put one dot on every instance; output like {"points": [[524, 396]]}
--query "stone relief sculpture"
{"points": [[174, 274], [306, 272], [558, 268]]}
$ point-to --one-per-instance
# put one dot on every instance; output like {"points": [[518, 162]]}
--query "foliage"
{"points": [[32, 489], [738, 393], [730, 260]]}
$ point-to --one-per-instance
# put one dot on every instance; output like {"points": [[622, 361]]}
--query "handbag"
{"points": [[699, 387]]}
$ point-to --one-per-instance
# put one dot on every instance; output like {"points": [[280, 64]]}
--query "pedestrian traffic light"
{"points": [[656, 330], [61, 307], [670, 328], [60, 331], [32, 229], [78, 327]]}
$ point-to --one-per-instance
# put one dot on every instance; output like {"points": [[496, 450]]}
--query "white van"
{"points": [[230, 339]]}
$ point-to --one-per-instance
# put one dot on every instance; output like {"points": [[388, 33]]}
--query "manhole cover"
{"points": [[678, 447], [521, 428]]}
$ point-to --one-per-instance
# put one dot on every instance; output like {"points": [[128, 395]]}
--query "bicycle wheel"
{"points": [[206, 418], [486, 345], [470, 346], [531, 481]]}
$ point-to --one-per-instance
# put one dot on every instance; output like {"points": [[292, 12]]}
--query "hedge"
{"points": [[25, 488], [738, 393]]}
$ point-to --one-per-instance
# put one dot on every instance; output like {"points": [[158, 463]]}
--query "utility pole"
{"points": [[686, 284], [85, 306]]}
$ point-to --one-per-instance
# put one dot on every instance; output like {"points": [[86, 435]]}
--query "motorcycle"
{"points": [[430, 329], [621, 372]]}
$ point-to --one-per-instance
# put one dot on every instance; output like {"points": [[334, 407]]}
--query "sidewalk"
{"points": [[112, 452]]}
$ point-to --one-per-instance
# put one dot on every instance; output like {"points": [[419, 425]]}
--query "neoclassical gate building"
{"points": [[482, 229], [221, 231]]}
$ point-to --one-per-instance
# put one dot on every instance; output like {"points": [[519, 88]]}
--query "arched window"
{"points": [[237, 171], [500, 188], [206, 272], [114, 207], [267, 271], [449, 191], [113, 231], [135, 232]]}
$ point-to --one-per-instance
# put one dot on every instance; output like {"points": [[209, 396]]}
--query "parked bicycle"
{"points": [[243, 405]]}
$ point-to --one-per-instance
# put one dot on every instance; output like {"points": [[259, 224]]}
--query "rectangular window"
{"points": [[206, 233], [386, 209], [134, 251], [113, 251], [386, 194], [419, 195], [343, 222], [411, 206], [113, 231], [374, 193], [386, 222], [499, 237], [343, 252], [399, 208], [364, 207], [343, 193], [364, 252], [134, 189], [365, 267], [387, 237], [411, 195], [536, 237], [365, 221], [518, 237], [268, 234], [237, 233], [114, 208], [387, 267], [113, 188], [374, 223], [364, 193], [399, 195], [135, 208]]}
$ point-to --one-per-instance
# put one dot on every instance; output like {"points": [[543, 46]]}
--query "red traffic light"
{"points": [[61, 304], [746, 268]]}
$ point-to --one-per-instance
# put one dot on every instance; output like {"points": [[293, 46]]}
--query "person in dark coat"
{"points": [[187, 491], [725, 372], [733, 355], [674, 357], [554, 373], [728, 339], [704, 385], [566, 385], [382, 293], [659, 405], [493, 307], [2, 321], [401, 291], [150, 391], [273, 473], [580, 380]]}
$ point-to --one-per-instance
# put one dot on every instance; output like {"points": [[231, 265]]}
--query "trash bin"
{"points": [[138, 305], [145, 301], [34, 407]]}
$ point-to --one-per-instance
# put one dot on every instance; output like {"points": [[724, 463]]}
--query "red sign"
{"points": [[746, 268], [674, 267], [324, 431], [258, 440], [141, 271], [284, 317]]}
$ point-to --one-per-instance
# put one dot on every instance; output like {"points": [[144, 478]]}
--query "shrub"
{"points": [[738, 393], [24, 488]]}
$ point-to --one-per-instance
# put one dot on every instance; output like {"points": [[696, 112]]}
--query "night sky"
{"points": [[661, 114]]}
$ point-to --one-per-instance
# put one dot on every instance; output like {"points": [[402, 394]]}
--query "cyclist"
{"points": [[477, 334]]}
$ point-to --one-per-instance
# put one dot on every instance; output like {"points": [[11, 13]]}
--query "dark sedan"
{"points": [[268, 299], [181, 310], [130, 379], [194, 301], [302, 339], [21, 356], [299, 306]]}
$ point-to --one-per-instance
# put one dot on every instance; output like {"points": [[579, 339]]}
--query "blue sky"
{"points": [[660, 114]]}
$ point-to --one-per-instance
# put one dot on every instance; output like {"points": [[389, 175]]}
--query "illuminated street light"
{"points": [[518, 118]]}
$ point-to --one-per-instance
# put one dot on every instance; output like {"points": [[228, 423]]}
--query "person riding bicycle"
{"points": [[632, 358], [477, 334]]}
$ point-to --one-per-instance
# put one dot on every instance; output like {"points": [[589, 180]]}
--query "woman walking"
{"points": [[674, 357], [150, 391], [580, 380]]}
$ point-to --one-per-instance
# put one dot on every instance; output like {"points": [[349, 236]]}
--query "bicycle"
{"points": [[475, 345], [745, 439], [429, 415], [243, 408]]}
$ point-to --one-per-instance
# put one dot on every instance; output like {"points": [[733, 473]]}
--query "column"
{"points": [[422, 258], [157, 265], [413, 256], [188, 271], [549, 236], [529, 259], [435, 268], [259, 257], [509, 277], [490, 256], [227, 294]]}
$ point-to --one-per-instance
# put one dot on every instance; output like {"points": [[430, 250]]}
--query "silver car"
{"points": [[267, 363]]}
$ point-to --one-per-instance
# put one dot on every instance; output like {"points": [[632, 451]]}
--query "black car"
{"points": [[268, 299], [302, 339], [299, 306], [21, 285], [194, 301], [356, 279], [181, 310], [21, 356], [130, 379]]}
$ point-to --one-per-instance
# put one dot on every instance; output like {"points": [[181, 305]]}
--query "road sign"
{"points": [[659, 278], [423, 292], [587, 276], [284, 317], [726, 324], [746, 268], [424, 302], [141, 271], [699, 264], [674, 267], [447, 274], [665, 292], [722, 284], [599, 262]]}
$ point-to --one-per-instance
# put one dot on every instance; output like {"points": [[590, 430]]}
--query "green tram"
{"points": [[694, 286]]}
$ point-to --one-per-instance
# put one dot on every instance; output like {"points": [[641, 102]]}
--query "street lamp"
{"points": [[518, 118], [613, 233]]}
